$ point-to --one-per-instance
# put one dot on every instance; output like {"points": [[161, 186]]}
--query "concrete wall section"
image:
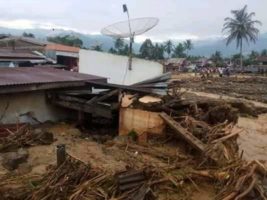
{"points": [[115, 67], [14, 107]]}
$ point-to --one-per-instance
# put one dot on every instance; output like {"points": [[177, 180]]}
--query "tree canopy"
{"points": [[241, 27], [67, 40], [30, 35]]}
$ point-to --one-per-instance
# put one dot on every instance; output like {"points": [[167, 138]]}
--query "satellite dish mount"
{"points": [[129, 29]]}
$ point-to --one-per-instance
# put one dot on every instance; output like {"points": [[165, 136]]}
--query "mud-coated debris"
{"points": [[221, 113], [25, 137], [11, 160]]}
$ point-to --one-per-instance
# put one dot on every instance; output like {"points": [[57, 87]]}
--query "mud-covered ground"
{"points": [[247, 87]]}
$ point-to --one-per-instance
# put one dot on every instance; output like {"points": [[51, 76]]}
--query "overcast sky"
{"points": [[179, 19]]}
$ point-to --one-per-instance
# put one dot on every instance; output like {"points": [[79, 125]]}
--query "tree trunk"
{"points": [[241, 56]]}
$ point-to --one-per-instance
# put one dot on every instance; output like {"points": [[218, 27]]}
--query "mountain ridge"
{"points": [[201, 48]]}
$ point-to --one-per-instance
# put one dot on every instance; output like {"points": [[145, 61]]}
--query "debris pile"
{"points": [[25, 136], [199, 147]]}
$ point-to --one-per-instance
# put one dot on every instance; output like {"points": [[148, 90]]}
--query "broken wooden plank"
{"points": [[189, 137], [97, 109], [103, 97]]}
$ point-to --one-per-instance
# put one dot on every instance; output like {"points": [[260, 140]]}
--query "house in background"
{"points": [[63, 55], [52, 53], [175, 64], [261, 64], [115, 67], [20, 58]]}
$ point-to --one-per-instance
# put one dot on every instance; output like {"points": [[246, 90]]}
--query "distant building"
{"points": [[20, 58], [175, 64], [52, 53], [64, 55], [261, 64]]}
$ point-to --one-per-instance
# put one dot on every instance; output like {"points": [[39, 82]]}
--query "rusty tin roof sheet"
{"points": [[38, 75]]}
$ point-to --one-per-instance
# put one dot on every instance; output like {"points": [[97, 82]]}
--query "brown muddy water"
{"points": [[253, 140]]}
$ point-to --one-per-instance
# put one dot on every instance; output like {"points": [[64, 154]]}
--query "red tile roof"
{"points": [[60, 47], [38, 75]]}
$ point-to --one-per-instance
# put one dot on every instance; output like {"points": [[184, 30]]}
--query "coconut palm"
{"points": [[188, 46], [168, 47], [241, 27]]}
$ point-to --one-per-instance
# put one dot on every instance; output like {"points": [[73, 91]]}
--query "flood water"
{"points": [[253, 140]]}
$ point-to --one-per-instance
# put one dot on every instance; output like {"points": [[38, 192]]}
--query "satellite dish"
{"points": [[129, 29], [138, 27]]}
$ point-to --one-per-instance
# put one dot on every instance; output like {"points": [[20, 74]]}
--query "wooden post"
{"points": [[61, 154]]}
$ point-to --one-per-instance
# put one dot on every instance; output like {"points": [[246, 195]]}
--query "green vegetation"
{"points": [[217, 59], [97, 47], [29, 35], [241, 27], [67, 40]]}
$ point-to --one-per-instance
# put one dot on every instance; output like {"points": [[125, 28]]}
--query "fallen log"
{"points": [[189, 137]]}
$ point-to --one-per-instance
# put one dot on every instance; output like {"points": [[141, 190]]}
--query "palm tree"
{"points": [[146, 49], [168, 47], [178, 51], [188, 46], [119, 44], [241, 27], [217, 58]]}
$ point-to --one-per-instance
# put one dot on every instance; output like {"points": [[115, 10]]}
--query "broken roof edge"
{"points": [[21, 79]]}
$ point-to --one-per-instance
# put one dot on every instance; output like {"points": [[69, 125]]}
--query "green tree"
{"points": [[188, 45], [241, 27], [67, 40], [146, 49], [30, 35], [158, 52], [119, 44], [179, 51], [97, 47], [264, 52], [217, 58], [125, 50], [168, 47], [236, 58], [112, 50]]}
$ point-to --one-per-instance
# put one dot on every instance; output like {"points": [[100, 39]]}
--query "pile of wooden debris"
{"points": [[199, 146]]}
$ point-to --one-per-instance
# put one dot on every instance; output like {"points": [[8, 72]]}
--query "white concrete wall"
{"points": [[35, 102], [115, 67]]}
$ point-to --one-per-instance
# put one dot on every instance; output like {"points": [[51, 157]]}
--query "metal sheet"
{"points": [[37, 75]]}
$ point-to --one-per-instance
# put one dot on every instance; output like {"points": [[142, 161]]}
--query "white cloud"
{"points": [[179, 19]]}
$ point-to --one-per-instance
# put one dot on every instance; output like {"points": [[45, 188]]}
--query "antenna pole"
{"points": [[125, 9]]}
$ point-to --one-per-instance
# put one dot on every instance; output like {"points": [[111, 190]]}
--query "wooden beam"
{"points": [[81, 105], [95, 109], [189, 137], [102, 98]]}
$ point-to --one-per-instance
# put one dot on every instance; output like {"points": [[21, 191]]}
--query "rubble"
{"points": [[197, 145], [11, 160], [24, 137]]}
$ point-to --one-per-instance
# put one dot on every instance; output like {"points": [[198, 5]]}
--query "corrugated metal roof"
{"points": [[36, 75], [14, 54]]}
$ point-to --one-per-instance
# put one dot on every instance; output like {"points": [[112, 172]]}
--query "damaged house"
{"points": [[24, 91]]}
